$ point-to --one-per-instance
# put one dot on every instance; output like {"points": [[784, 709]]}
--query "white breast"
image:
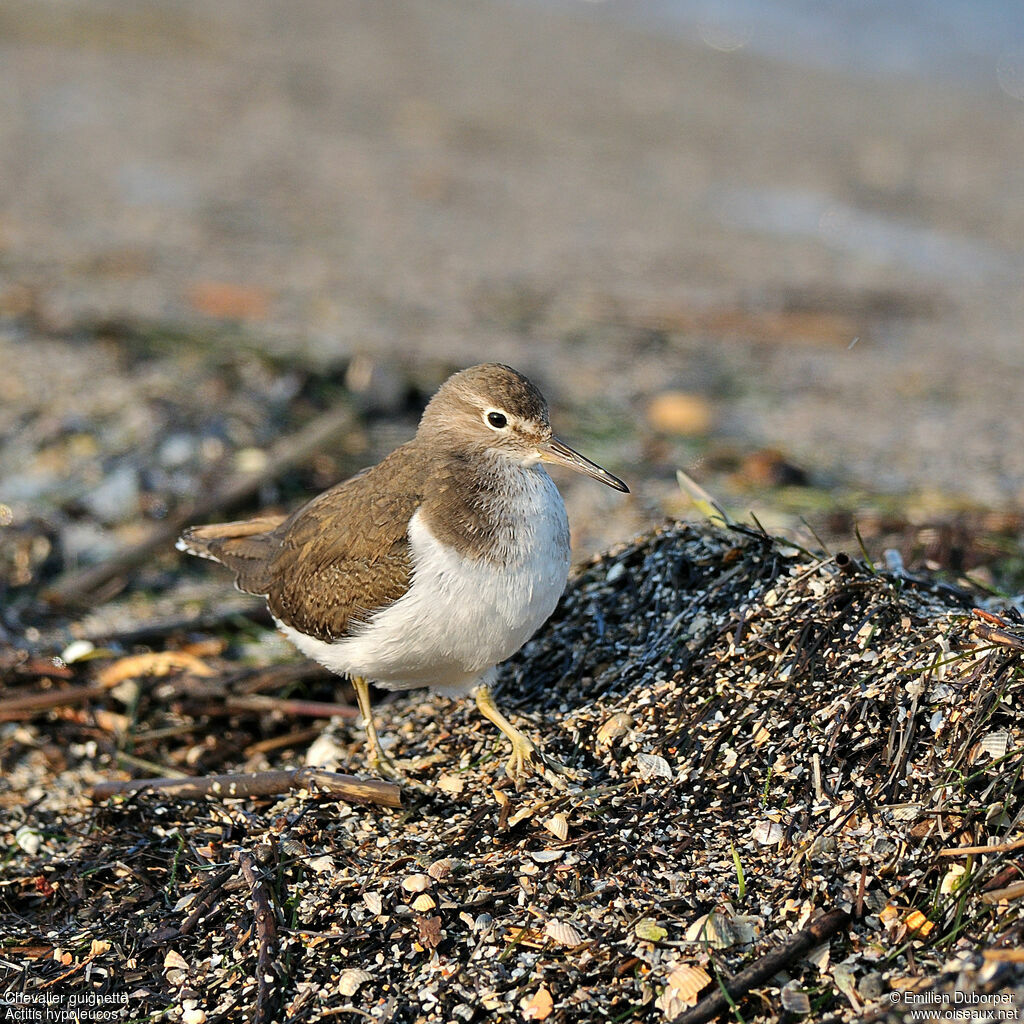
{"points": [[462, 616]]}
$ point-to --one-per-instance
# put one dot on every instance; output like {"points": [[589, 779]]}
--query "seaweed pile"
{"points": [[798, 789]]}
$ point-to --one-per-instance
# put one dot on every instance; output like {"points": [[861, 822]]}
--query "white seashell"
{"points": [[351, 979], [451, 783], [681, 990], [546, 856], [995, 744], [768, 833], [323, 865], [423, 903], [614, 728], [562, 933], [373, 902], [820, 955], [441, 869], [174, 960], [325, 752], [712, 930], [416, 883], [558, 825], [794, 998], [651, 766]]}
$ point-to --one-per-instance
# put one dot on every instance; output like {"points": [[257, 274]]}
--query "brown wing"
{"points": [[335, 561]]}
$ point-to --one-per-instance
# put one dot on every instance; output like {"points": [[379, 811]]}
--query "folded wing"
{"points": [[333, 563]]}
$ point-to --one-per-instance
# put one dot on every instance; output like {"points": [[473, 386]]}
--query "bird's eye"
{"points": [[498, 420]]}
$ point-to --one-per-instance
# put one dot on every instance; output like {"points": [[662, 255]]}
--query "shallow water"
{"points": [[980, 42]]}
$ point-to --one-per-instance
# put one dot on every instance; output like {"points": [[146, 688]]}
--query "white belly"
{"points": [[461, 616]]}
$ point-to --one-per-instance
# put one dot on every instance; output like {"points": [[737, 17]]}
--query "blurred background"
{"points": [[776, 244]]}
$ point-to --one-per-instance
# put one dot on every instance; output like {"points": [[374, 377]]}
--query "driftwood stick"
{"points": [[771, 963], [258, 784], [15, 708], [156, 629], [299, 738], [288, 706], [1008, 892], [76, 586], [1006, 956], [266, 933], [957, 851], [998, 635]]}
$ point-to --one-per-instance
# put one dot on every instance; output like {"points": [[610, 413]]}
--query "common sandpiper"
{"points": [[431, 567]]}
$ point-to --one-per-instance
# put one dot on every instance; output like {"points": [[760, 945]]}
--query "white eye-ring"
{"points": [[495, 419]]}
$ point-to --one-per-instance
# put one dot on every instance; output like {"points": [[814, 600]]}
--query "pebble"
{"points": [[116, 498]]}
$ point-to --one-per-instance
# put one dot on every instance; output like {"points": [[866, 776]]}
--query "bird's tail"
{"points": [[246, 547]]}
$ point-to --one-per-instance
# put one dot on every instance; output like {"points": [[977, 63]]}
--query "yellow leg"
{"points": [[379, 761], [524, 751]]}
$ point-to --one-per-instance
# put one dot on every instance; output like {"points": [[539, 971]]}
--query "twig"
{"points": [[259, 784], [156, 629], [1006, 956], [1009, 892], [289, 706], [771, 963], [35, 668], [273, 677], [73, 970], [980, 613], [266, 932], [998, 635], [15, 708], [77, 586], [957, 851], [299, 738]]}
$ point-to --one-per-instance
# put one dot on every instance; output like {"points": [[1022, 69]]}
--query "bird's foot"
{"points": [[527, 757], [380, 764], [525, 754]]}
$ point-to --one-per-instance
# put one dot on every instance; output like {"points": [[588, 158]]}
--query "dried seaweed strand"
{"points": [[289, 706], [205, 900], [266, 933]]}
